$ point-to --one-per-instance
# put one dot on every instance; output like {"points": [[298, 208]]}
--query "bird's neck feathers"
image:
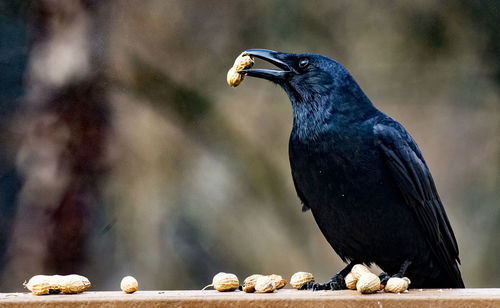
{"points": [[338, 106], [310, 117]]}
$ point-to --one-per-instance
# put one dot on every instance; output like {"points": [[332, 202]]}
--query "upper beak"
{"points": [[276, 58]]}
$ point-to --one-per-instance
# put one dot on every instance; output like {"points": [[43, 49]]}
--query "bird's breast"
{"points": [[345, 183], [334, 171]]}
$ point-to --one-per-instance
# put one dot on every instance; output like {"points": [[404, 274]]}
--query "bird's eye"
{"points": [[303, 63]]}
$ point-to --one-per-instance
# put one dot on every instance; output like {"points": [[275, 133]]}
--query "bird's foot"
{"points": [[384, 277], [336, 283]]}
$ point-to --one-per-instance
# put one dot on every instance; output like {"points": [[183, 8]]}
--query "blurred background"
{"points": [[123, 151]]}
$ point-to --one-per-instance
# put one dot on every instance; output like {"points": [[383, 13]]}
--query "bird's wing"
{"points": [[415, 182], [305, 207]]}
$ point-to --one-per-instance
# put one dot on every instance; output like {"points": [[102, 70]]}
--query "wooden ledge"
{"points": [[282, 298]]}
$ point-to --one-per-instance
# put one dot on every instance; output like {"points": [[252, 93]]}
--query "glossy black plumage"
{"points": [[361, 174]]}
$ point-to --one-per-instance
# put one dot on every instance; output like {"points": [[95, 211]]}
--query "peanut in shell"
{"points": [[265, 284], [225, 282], [129, 284], [299, 278], [48, 284], [71, 284], [350, 281], [280, 282], [39, 284], [368, 283], [397, 285], [249, 283], [358, 270], [243, 61]]}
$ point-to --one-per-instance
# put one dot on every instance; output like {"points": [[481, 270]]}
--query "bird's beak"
{"points": [[276, 58]]}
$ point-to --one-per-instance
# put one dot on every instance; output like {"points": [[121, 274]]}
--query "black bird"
{"points": [[362, 176]]}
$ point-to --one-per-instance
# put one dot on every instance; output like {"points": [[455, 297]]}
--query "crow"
{"points": [[362, 176]]}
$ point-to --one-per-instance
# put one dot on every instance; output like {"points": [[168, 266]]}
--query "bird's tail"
{"points": [[457, 277]]}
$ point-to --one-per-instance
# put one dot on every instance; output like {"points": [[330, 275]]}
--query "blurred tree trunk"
{"points": [[62, 155]]}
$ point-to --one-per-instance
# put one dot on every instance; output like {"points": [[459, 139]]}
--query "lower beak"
{"points": [[273, 57]]}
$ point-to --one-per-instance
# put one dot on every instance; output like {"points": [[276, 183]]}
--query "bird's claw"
{"points": [[336, 283], [310, 286], [384, 277]]}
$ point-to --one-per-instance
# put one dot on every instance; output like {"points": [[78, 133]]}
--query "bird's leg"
{"points": [[384, 276], [337, 282], [403, 269]]}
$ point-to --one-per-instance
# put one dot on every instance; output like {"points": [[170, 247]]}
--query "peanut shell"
{"points": [[299, 278], [225, 282], [129, 284], [280, 282], [73, 284], [265, 284], [368, 283], [39, 284], [350, 281], [249, 283], [358, 270], [397, 285], [242, 62], [55, 283]]}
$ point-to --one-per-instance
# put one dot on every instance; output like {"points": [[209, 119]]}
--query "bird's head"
{"points": [[310, 78]]}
